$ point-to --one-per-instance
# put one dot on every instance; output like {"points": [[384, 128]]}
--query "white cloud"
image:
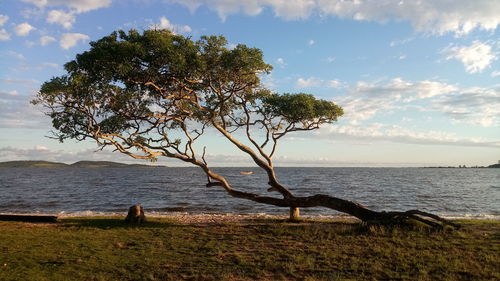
{"points": [[438, 17], [3, 19], [69, 40], [359, 109], [50, 64], [475, 58], [20, 82], [474, 106], [24, 29], [432, 16], [61, 16], [423, 89], [395, 43], [268, 81], [44, 40], [313, 82], [330, 59], [39, 152], [334, 84], [232, 46], [17, 112], [366, 99], [292, 9], [79, 6], [281, 62], [495, 73], [308, 83], [41, 66], [16, 55], [32, 13], [166, 24], [311, 42], [8, 93], [4, 35], [29, 43], [66, 19], [38, 3], [395, 133], [289, 10], [40, 148], [13, 153]]}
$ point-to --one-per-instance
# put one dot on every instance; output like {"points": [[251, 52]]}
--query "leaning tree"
{"points": [[155, 94]]}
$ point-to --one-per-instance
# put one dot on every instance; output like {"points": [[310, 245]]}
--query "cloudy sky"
{"points": [[419, 81]]}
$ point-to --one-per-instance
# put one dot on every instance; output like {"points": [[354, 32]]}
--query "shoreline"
{"points": [[186, 217], [194, 217]]}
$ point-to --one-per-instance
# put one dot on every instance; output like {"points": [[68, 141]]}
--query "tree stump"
{"points": [[135, 214], [294, 214]]}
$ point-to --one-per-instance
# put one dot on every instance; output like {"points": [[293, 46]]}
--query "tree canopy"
{"points": [[155, 94], [132, 90]]}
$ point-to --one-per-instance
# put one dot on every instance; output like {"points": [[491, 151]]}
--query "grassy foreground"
{"points": [[163, 249]]}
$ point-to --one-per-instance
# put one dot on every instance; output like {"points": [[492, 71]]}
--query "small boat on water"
{"points": [[246, 173]]}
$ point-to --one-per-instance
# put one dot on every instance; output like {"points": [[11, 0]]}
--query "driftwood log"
{"points": [[28, 218], [135, 215]]}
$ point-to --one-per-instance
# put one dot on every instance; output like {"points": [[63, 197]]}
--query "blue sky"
{"points": [[419, 81]]}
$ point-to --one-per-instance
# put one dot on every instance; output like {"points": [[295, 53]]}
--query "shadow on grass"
{"points": [[306, 225], [345, 227], [258, 224], [307, 221], [116, 223]]}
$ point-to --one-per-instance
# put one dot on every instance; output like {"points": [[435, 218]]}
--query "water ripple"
{"points": [[452, 192]]}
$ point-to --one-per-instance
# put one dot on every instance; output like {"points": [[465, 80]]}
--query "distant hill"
{"points": [[494, 166], [79, 164], [31, 164], [98, 164]]}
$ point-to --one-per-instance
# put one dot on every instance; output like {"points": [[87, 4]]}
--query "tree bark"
{"points": [[135, 215], [294, 213], [349, 207]]}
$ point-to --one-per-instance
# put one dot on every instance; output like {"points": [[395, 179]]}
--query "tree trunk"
{"points": [[135, 215], [349, 207], [294, 213], [320, 200]]}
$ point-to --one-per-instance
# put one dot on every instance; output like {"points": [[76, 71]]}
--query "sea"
{"points": [[450, 192]]}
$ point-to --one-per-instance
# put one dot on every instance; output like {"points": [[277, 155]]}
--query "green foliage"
{"points": [[124, 74], [302, 107], [131, 84]]}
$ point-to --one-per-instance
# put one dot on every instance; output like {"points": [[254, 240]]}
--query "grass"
{"points": [[163, 249]]}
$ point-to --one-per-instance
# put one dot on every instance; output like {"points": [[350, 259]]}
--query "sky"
{"points": [[419, 81]]}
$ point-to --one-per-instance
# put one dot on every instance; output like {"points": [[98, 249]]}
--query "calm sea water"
{"points": [[449, 192]]}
